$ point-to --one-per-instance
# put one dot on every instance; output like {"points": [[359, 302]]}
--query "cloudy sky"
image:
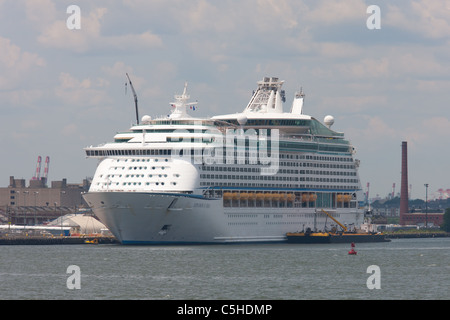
{"points": [[62, 89]]}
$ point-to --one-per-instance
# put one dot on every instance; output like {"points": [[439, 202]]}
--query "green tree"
{"points": [[446, 225]]}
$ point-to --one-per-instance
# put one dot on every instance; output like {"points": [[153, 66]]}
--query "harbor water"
{"points": [[407, 269]]}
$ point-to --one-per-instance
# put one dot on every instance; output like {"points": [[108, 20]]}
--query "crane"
{"points": [[135, 99], [38, 169], [332, 218], [47, 163]]}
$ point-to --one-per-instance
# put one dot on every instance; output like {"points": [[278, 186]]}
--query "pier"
{"points": [[39, 240], [412, 235]]}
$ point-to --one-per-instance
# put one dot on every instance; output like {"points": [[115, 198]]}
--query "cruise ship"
{"points": [[247, 177]]}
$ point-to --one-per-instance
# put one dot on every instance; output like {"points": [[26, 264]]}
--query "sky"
{"points": [[62, 89]]}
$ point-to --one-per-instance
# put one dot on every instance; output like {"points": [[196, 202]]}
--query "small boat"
{"points": [[93, 241]]}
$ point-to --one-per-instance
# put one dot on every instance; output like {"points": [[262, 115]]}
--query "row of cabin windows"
{"points": [[221, 184], [275, 178], [145, 152]]}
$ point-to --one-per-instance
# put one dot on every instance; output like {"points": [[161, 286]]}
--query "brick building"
{"points": [[431, 219]]}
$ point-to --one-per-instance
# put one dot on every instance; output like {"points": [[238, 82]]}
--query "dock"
{"points": [[413, 235], [38, 240]]}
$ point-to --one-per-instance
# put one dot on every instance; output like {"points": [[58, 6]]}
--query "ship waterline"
{"points": [[247, 177]]}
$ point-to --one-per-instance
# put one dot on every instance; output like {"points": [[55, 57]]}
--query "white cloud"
{"points": [[16, 64], [40, 12], [85, 93], [330, 12], [426, 18], [89, 37]]}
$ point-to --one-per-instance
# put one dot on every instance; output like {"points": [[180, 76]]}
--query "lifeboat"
{"points": [[313, 197], [305, 197], [291, 197], [283, 197], [236, 195], [251, 196], [260, 196], [227, 195], [244, 195]]}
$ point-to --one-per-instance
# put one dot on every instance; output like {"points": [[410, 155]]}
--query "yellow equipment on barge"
{"points": [[334, 237]]}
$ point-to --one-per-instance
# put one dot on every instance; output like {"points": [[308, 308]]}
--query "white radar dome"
{"points": [[329, 121], [146, 119], [241, 119]]}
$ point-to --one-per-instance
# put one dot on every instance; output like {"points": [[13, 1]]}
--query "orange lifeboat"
{"points": [[244, 195], [227, 195], [251, 196]]}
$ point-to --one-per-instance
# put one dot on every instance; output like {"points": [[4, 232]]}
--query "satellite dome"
{"points": [[242, 119], [329, 121], [146, 119]]}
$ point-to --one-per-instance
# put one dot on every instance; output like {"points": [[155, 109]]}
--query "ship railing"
{"points": [[212, 193], [296, 137]]}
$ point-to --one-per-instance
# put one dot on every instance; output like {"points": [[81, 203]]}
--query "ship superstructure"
{"points": [[246, 177]]}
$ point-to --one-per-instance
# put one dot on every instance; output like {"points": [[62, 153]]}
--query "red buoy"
{"points": [[352, 251]]}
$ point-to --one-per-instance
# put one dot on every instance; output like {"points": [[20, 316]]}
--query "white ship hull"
{"points": [[152, 218]]}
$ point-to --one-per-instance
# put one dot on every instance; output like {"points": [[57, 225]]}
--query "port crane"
{"points": [[47, 164], [38, 169], [37, 175]]}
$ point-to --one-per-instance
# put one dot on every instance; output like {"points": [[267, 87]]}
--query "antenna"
{"points": [[135, 99]]}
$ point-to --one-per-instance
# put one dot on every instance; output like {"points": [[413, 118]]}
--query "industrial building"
{"points": [[38, 203]]}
